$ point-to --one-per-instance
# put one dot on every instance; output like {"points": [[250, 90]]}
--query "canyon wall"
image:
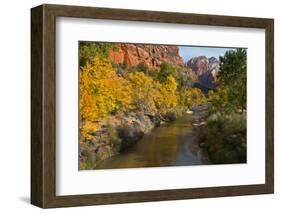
{"points": [[150, 55]]}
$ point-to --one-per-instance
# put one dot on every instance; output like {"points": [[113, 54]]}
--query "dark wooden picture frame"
{"points": [[43, 105]]}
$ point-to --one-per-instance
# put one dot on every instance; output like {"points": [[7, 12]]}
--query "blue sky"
{"points": [[188, 52]]}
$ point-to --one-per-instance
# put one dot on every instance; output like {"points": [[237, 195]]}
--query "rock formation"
{"points": [[150, 55], [214, 67], [206, 69]]}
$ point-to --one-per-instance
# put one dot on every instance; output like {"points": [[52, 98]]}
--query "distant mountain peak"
{"points": [[213, 58], [206, 69]]}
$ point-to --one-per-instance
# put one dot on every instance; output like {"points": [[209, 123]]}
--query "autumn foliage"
{"points": [[195, 97], [104, 90]]}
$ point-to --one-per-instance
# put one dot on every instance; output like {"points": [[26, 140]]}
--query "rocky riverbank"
{"points": [[117, 133]]}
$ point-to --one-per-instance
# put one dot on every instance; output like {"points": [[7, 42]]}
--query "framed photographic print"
{"points": [[135, 106]]}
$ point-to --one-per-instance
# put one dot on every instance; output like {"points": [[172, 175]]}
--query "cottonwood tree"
{"points": [[233, 76]]}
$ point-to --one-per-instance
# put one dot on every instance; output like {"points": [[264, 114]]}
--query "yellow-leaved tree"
{"points": [[102, 92], [219, 100], [195, 97], [167, 97], [145, 90]]}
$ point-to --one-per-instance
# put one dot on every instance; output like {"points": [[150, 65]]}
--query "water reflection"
{"points": [[168, 145]]}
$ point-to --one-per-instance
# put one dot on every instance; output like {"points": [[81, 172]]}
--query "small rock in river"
{"points": [[189, 112]]}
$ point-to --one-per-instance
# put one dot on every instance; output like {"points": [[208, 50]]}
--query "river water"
{"points": [[171, 144]]}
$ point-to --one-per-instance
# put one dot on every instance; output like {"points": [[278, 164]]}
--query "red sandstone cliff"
{"points": [[150, 55]]}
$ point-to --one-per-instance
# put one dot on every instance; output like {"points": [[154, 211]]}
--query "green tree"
{"points": [[165, 71], [220, 100], [233, 68], [90, 50], [142, 67]]}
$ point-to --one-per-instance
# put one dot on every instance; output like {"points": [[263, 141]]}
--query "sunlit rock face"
{"points": [[150, 55], [206, 69], [199, 65], [214, 66]]}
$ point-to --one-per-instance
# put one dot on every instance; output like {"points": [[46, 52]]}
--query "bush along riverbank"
{"points": [[224, 138]]}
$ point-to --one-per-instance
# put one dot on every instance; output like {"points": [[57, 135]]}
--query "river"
{"points": [[171, 144]]}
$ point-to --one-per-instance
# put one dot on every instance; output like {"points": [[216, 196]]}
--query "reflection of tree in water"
{"points": [[162, 149]]}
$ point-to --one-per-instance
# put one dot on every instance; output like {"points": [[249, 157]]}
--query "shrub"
{"points": [[224, 138], [175, 113], [165, 71]]}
